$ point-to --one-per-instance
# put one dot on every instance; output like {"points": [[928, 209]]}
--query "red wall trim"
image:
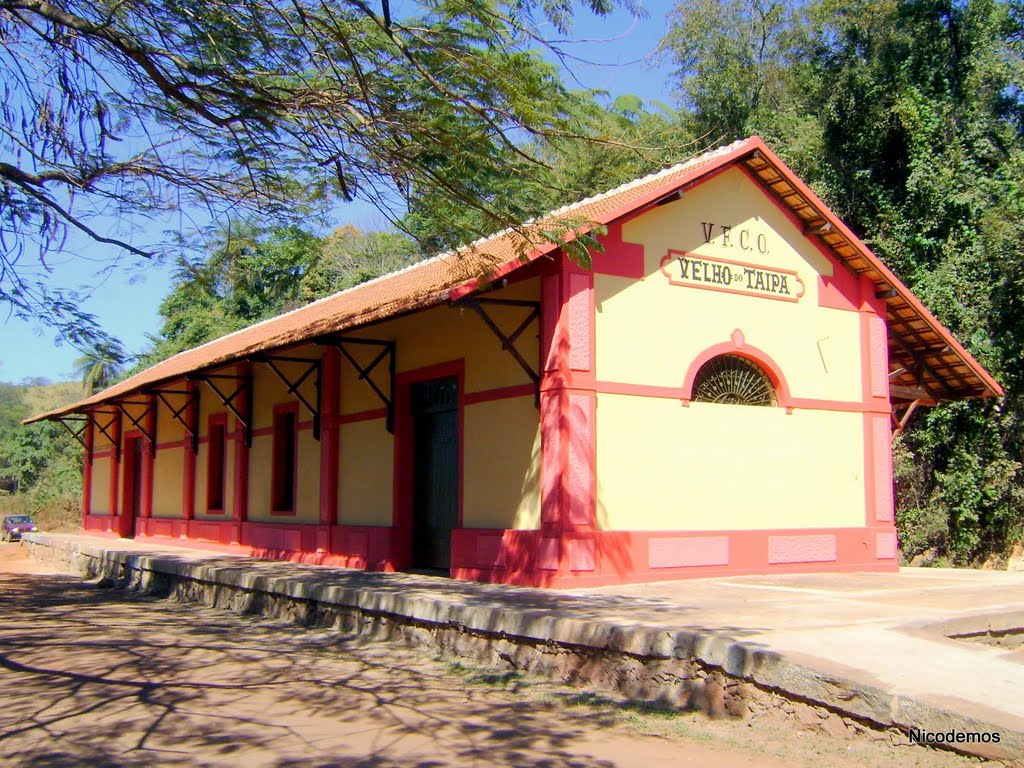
{"points": [[567, 417], [619, 259], [188, 480], [330, 400], [283, 409], [373, 415], [300, 426], [738, 346], [169, 446], [677, 393], [240, 504], [115, 473], [616, 557], [639, 390], [87, 459], [149, 462], [500, 393]]}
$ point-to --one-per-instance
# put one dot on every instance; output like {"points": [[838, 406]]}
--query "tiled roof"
{"points": [[434, 280]]}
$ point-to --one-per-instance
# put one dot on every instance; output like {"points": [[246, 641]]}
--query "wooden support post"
{"points": [[243, 402], [330, 393], [188, 490]]}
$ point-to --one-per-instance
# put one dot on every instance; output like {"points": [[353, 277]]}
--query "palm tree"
{"points": [[101, 366]]}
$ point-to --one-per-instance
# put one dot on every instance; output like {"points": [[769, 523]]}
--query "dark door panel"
{"points": [[436, 471]]}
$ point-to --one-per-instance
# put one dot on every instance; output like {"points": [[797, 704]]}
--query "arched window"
{"points": [[733, 379]]}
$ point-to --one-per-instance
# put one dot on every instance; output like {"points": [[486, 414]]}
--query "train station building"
{"points": [[715, 394]]}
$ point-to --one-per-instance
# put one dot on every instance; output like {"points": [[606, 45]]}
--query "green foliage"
{"points": [[349, 256], [101, 366], [250, 275], [42, 463], [604, 148], [248, 108], [741, 67]]}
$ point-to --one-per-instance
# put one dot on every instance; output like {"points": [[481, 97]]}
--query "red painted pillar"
{"points": [[148, 467], [882, 545], [567, 413], [87, 471], [240, 508], [188, 490], [330, 393], [123, 522]]}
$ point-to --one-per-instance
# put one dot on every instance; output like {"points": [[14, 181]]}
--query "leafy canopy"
{"points": [[116, 113]]}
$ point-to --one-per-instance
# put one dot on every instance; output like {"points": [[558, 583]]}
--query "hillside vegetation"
{"points": [[40, 465]]}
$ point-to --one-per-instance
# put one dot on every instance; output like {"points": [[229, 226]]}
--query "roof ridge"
{"points": [[664, 172]]}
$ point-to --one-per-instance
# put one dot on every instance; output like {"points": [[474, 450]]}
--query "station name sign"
{"points": [[715, 274]]}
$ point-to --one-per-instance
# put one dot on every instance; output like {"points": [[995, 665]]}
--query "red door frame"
{"points": [[402, 498]]}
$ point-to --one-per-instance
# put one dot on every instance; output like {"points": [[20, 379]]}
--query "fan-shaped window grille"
{"points": [[733, 379]]}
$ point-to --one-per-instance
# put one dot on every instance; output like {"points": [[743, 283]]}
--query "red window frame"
{"points": [[285, 464], [216, 464]]}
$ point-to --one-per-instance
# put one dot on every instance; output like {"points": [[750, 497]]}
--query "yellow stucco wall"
{"points": [[649, 331], [500, 486], [271, 391], [209, 404], [366, 473], [441, 334], [501, 483], [662, 466], [307, 479], [99, 498], [168, 429], [168, 482]]}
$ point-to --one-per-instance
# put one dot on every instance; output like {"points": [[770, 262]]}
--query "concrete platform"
{"points": [[867, 650], [893, 631]]}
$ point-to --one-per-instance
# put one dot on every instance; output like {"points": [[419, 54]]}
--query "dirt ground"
{"points": [[103, 677]]}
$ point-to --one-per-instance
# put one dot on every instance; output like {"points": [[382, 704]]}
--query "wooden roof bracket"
{"points": [[388, 349], [187, 415], [313, 366], [902, 421], [79, 433], [921, 365], [140, 422], [228, 400], [115, 417], [508, 342]]}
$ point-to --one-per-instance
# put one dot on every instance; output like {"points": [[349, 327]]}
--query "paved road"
{"points": [[100, 677]]}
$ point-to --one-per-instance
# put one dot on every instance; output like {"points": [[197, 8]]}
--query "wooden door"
{"points": [[435, 471]]}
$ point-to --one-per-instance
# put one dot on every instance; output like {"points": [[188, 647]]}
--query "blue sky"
{"points": [[125, 301]]}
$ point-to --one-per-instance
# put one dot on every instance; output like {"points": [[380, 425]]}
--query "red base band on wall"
{"points": [[536, 558]]}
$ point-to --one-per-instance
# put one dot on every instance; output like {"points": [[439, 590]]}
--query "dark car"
{"points": [[15, 525]]}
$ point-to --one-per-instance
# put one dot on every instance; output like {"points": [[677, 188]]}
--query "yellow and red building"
{"points": [[716, 394]]}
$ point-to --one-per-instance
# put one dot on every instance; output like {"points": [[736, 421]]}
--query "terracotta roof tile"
{"points": [[436, 279]]}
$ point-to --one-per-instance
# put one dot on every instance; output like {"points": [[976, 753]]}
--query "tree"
{"points": [[606, 147], [128, 110], [101, 366], [349, 256], [251, 274], [741, 66]]}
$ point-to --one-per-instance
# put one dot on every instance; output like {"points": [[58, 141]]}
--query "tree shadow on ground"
{"points": [[114, 678]]}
